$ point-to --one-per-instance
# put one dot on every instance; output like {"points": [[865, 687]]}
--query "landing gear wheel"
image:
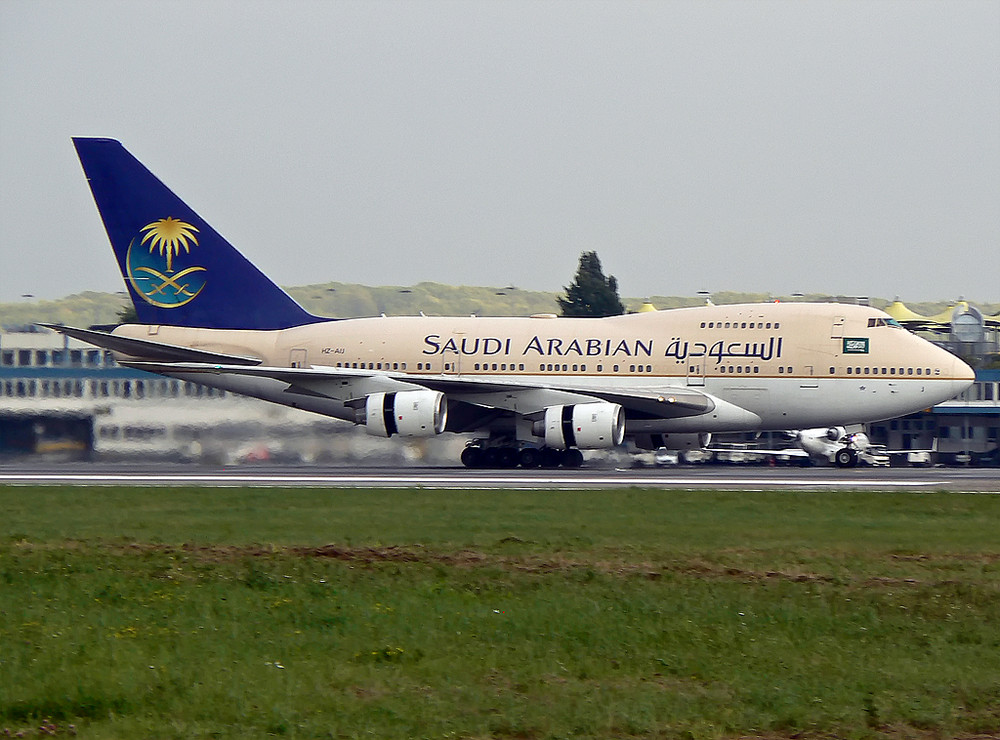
{"points": [[550, 457], [507, 457], [846, 458], [529, 457], [572, 458], [491, 457], [472, 457]]}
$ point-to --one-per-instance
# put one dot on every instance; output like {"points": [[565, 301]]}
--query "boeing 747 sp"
{"points": [[534, 391]]}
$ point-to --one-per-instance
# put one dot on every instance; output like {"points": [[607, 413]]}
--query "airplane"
{"points": [[533, 390]]}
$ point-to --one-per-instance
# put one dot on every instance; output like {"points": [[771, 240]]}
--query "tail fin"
{"points": [[178, 269]]}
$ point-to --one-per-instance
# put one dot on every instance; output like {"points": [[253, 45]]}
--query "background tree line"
{"points": [[589, 291]]}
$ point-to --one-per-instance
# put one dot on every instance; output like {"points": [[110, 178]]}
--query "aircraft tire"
{"points": [[507, 457], [846, 458], [472, 457], [550, 457], [529, 457], [572, 458], [490, 458]]}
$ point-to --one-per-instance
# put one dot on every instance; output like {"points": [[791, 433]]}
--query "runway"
{"points": [[985, 480]]}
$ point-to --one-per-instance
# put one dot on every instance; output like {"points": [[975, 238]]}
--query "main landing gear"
{"points": [[478, 455], [846, 457]]}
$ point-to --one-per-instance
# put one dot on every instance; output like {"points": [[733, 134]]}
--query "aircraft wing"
{"points": [[352, 385], [660, 403]]}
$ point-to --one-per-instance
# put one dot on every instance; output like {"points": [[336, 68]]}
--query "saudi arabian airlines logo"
{"points": [[151, 263]]}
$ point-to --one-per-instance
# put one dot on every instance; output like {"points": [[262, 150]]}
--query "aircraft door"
{"points": [[837, 330], [451, 360], [297, 358], [696, 371]]}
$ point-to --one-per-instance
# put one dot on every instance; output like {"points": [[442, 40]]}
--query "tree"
{"points": [[128, 315], [590, 293]]}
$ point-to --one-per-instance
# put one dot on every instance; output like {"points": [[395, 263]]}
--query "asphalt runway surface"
{"points": [[732, 477]]}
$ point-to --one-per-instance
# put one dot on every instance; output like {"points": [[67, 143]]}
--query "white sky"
{"points": [[838, 147]]}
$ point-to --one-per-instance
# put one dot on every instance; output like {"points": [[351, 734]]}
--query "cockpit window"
{"points": [[884, 322]]}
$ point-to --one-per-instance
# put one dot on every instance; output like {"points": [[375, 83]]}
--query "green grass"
{"points": [[183, 613]]}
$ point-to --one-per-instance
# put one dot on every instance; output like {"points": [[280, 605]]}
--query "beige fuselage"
{"points": [[788, 365]]}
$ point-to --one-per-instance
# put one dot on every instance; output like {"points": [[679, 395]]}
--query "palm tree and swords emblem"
{"points": [[164, 287]]}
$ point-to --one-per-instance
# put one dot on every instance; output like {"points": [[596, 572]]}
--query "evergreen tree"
{"points": [[590, 293], [128, 315]]}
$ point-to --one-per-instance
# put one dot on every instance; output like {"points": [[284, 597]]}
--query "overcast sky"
{"points": [[837, 147]]}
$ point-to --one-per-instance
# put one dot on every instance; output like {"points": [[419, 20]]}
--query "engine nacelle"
{"points": [[587, 426], [406, 413], [835, 434]]}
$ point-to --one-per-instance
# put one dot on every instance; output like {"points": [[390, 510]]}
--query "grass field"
{"points": [[221, 613]]}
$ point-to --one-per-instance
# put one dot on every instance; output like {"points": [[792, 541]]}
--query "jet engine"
{"points": [[835, 434], [406, 413], [587, 426]]}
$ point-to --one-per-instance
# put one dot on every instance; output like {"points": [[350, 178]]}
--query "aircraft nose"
{"points": [[962, 376], [963, 373]]}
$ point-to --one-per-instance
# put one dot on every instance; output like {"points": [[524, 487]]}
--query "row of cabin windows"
{"points": [[106, 389], [547, 367], [56, 358], [739, 325], [502, 366], [377, 365], [747, 369], [553, 367], [922, 371]]}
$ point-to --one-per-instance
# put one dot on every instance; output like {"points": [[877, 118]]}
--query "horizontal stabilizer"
{"points": [[155, 351]]}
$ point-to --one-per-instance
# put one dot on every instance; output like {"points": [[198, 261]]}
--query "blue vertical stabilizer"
{"points": [[178, 269]]}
